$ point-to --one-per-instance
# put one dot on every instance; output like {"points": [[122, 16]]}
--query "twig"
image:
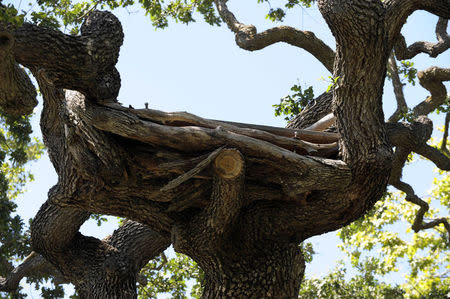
{"points": [[191, 173]]}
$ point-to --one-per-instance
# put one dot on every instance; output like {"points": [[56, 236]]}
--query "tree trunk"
{"points": [[274, 272], [236, 198]]}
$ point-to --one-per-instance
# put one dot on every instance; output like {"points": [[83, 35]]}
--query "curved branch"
{"points": [[413, 137], [419, 223], [248, 39], [400, 157], [434, 155], [33, 265], [138, 242], [397, 11], [431, 79], [402, 51]]}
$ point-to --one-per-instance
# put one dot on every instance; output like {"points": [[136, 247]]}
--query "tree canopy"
{"points": [[236, 198]]}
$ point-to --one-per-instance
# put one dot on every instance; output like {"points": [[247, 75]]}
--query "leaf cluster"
{"points": [[278, 14], [292, 104], [16, 149], [171, 276]]}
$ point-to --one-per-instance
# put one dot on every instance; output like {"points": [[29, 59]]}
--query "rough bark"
{"points": [[237, 198]]}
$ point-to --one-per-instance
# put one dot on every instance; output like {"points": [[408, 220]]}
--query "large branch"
{"points": [[402, 51], [248, 39], [413, 137], [55, 235], [85, 63]]}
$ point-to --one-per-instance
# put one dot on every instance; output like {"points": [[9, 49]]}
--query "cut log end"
{"points": [[229, 164]]}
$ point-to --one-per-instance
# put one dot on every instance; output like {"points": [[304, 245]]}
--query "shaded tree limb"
{"points": [[85, 63], [402, 51], [432, 79], [248, 39], [203, 139], [33, 265], [402, 107]]}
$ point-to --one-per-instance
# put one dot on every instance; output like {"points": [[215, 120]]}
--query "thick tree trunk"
{"points": [[236, 198]]}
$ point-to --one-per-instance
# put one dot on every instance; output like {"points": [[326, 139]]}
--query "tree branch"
{"points": [[431, 79], [398, 91], [227, 194], [85, 63], [138, 242], [248, 39], [400, 157], [402, 51], [195, 139], [434, 155], [33, 265], [413, 137], [397, 11], [419, 224]]}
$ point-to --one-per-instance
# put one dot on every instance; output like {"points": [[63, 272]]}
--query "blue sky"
{"points": [[199, 69]]}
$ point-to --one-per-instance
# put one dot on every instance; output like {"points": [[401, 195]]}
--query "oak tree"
{"points": [[236, 198]]}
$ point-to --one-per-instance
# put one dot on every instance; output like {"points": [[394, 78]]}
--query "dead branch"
{"points": [[198, 139], [268, 133], [444, 138]]}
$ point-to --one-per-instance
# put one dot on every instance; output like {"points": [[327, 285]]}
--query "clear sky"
{"points": [[199, 69]]}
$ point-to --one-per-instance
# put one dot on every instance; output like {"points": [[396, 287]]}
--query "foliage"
{"points": [[16, 149], [335, 285], [171, 277], [373, 239], [407, 69], [278, 14], [292, 104]]}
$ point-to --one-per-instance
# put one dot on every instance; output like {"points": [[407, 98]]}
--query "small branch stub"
{"points": [[229, 164]]}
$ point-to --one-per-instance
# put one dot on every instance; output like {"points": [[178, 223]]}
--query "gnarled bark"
{"points": [[237, 198]]}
